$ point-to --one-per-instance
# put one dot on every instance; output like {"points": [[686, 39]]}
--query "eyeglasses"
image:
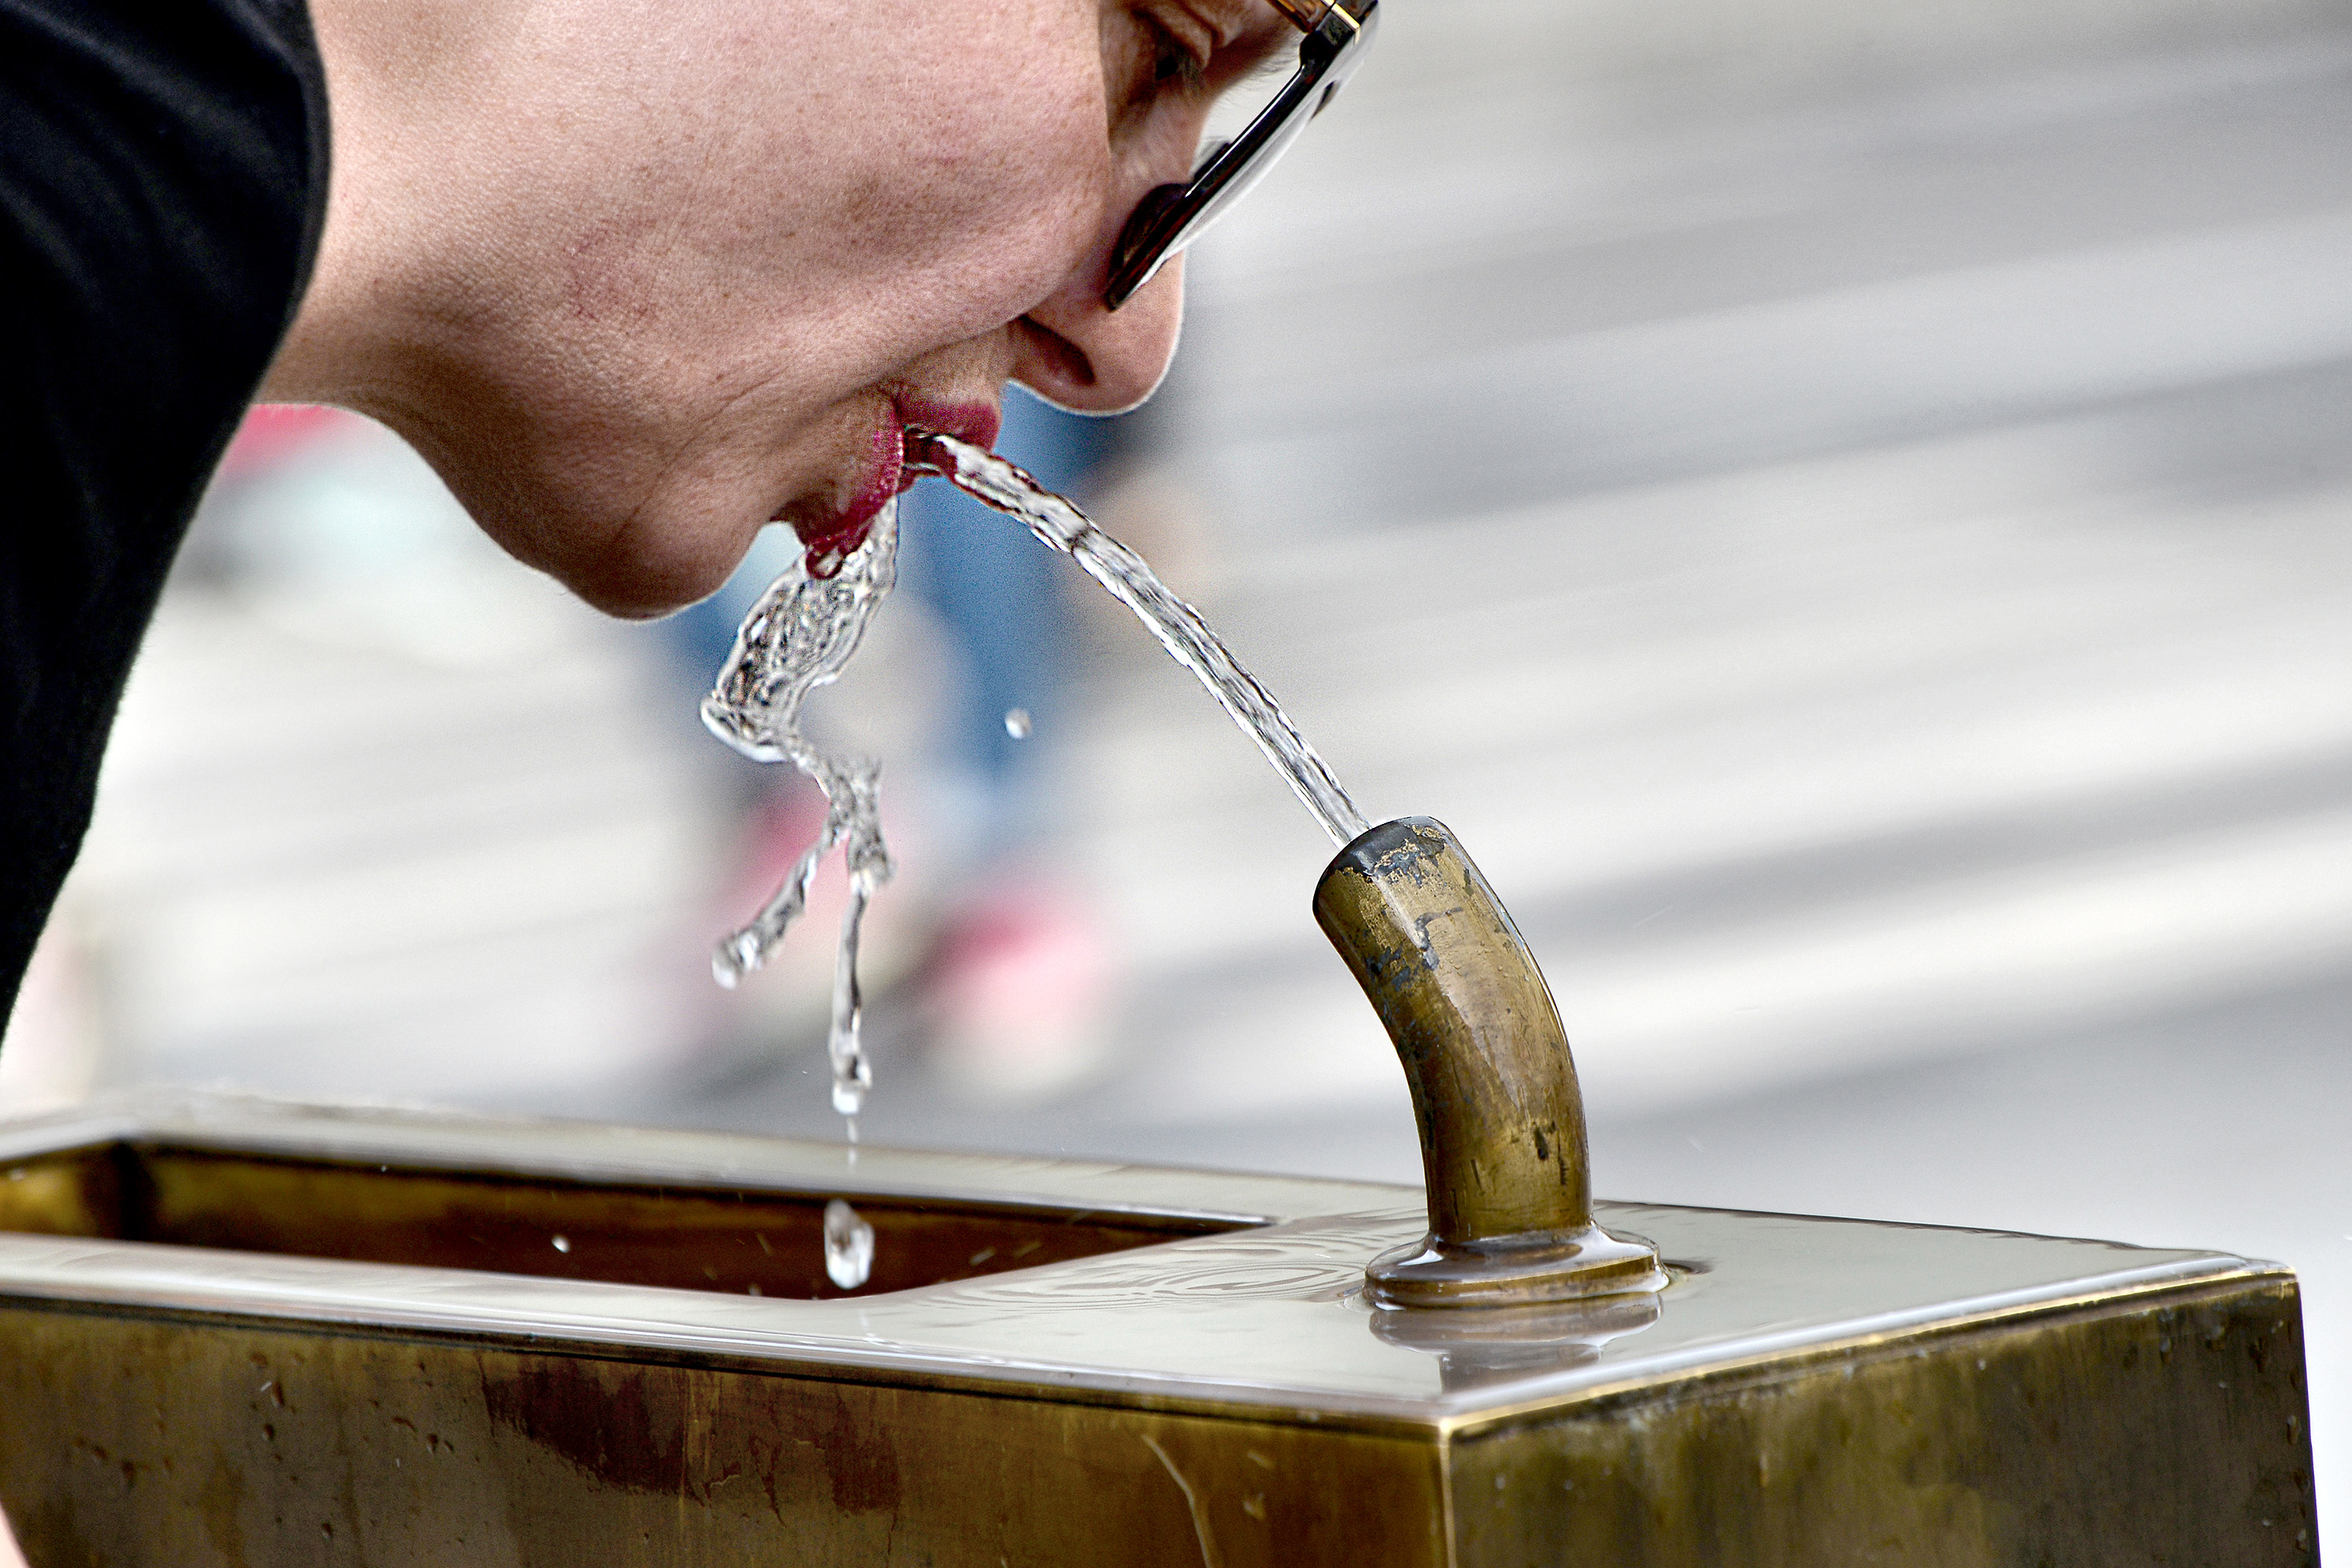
{"points": [[1173, 217]]}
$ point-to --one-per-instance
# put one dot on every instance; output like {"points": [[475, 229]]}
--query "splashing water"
{"points": [[994, 482], [848, 1246], [797, 637], [800, 634]]}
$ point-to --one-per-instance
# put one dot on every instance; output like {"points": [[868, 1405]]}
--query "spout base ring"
{"points": [[1513, 1270]]}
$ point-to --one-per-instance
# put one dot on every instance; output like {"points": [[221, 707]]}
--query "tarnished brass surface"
{"points": [[1804, 1391], [137, 1442], [1494, 1088], [2169, 1430]]}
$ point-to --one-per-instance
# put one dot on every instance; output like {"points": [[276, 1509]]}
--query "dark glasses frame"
{"points": [[1172, 217]]}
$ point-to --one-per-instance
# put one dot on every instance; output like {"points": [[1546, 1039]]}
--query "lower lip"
{"points": [[888, 475]]}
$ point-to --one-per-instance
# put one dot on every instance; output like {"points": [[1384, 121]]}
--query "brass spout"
{"points": [[1493, 1091]]}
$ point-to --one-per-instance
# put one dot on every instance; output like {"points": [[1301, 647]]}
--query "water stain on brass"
{"points": [[1506, 1344], [619, 1426]]}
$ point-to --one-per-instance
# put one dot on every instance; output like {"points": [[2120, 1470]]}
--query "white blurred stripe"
{"points": [[1809, 992], [2042, 331], [1813, 991]]}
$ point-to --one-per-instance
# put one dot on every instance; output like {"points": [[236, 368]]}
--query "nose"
{"points": [[1072, 350]]}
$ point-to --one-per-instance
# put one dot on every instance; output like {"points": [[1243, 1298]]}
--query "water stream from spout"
{"points": [[991, 480]]}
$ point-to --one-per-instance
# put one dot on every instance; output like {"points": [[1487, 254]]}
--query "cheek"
{"points": [[1011, 194], [933, 172], [996, 276]]}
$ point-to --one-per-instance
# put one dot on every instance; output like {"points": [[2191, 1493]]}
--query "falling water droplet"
{"points": [[848, 1246], [562, 1244], [1016, 723]]}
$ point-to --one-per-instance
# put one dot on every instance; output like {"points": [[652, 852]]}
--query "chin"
{"points": [[649, 568], [644, 586], [638, 602]]}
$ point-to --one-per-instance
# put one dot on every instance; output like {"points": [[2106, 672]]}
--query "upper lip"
{"points": [[974, 422]]}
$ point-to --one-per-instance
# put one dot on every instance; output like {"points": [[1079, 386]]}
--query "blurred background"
{"points": [[1843, 509]]}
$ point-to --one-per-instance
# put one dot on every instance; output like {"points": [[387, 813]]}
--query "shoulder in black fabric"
{"points": [[161, 190]]}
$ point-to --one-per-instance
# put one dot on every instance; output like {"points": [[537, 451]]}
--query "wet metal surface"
{"points": [[1266, 1314], [720, 1238], [1223, 1397]]}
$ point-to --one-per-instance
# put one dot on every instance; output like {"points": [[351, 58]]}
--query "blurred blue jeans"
{"points": [[997, 596]]}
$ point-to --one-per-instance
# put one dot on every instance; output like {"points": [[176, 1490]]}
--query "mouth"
{"points": [[829, 540]]}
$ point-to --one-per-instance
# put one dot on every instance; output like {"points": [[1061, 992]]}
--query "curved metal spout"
{"points": [[1493, 1089]]}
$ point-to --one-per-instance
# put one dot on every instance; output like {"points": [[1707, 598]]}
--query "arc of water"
{"points": [[993, 482]]}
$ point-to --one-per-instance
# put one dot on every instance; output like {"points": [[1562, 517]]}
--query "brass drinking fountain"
{"points": [[238, 1332], [1494, 1089]]}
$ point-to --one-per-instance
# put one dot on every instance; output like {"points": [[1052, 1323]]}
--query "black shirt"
{"points": [[163, 182]]}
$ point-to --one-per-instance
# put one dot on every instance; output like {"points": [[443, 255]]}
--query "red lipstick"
{"points": [[886, 473], [884, 478]]}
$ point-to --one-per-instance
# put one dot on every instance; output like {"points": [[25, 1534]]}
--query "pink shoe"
{"points": [[1018, 993]]}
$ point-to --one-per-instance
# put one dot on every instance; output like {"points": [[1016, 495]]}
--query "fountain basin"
{"points": [[240, 1332]]}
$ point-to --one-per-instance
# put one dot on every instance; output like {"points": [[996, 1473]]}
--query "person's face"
{"points": [[698, 266]]}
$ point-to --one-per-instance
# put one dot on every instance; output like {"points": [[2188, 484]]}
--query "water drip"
{"points": [[848, 1246]]}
